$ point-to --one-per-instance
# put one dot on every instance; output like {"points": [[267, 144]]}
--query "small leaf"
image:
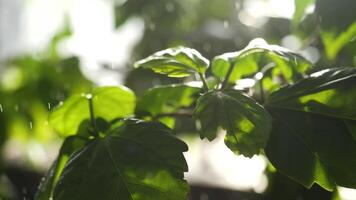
{"points": [[334, 42], [47, 184], [312, 134], [257, 54], [142, 161], [108, 102], [246, 122], [300, 7], [167, 99], [175, 62]]}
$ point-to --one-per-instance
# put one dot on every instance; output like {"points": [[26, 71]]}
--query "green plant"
{"points": [[116, 148]]}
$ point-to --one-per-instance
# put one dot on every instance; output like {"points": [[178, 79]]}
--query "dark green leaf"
{"points": [[256, 55], [246, 122], [141, 161], [47, 184], [311, 138], [175, 62], [108, 102]]}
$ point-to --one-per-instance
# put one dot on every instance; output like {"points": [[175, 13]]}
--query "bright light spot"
{"points": [[291, 42], [259, 76], [347, 193], [194, 84], [319, 73], [212, 163], [88, 96], [11, 78], [256, 11], [311, 53], [244, 83]]}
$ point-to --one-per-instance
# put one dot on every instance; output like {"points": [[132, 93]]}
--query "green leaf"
{"points": [[300, 6], [256, 55], [47, 184], [310, 140], [142, 161], [334, 42], [246, 122], [108, 102], [167, 99], [175, 62]]}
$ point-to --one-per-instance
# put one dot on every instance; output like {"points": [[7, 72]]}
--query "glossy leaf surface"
{"points": [[108, 103], [257, 54], [141, 161], [311, 141], [246, 122], [175, 62]]}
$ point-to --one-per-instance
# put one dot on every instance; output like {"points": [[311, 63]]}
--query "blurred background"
{"points": [[51, 49]]}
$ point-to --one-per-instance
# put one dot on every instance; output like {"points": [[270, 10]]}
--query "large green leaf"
{"points": [[47, 184], [108, 103], [175, 62], [311, 141], [141, 161], [167, 99], [246, 122], [257, 54]]}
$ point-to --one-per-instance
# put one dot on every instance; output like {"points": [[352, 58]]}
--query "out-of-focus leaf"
{"points": [[335, 14], [47, 184], [300, 6], [175, 62], [112, 168], [256, 55], [310, 141], [167, 99], [334, 42], [108, 102], [246, 122], [337, 19]]}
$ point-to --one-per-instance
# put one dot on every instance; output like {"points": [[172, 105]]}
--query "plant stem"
{"points": [[226, 79], [262, 91], [205, 84], [92, 117]]}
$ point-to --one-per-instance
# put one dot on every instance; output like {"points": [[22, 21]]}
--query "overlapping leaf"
{"points": [[108, 103], [47, 185], [257, 54], [167, 99], [175, 62], [311, 139], [246, 122], [141, 161]]}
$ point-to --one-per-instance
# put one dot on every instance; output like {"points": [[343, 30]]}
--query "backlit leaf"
{"points": [[141, 161], [312, 136], [175, 62], [47, 185], [108, 102], [256, 55], [246, 122]]}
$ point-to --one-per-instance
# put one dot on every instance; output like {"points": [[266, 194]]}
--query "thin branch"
{"points": [[205, 84], [92, 117], [227, 77]]}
